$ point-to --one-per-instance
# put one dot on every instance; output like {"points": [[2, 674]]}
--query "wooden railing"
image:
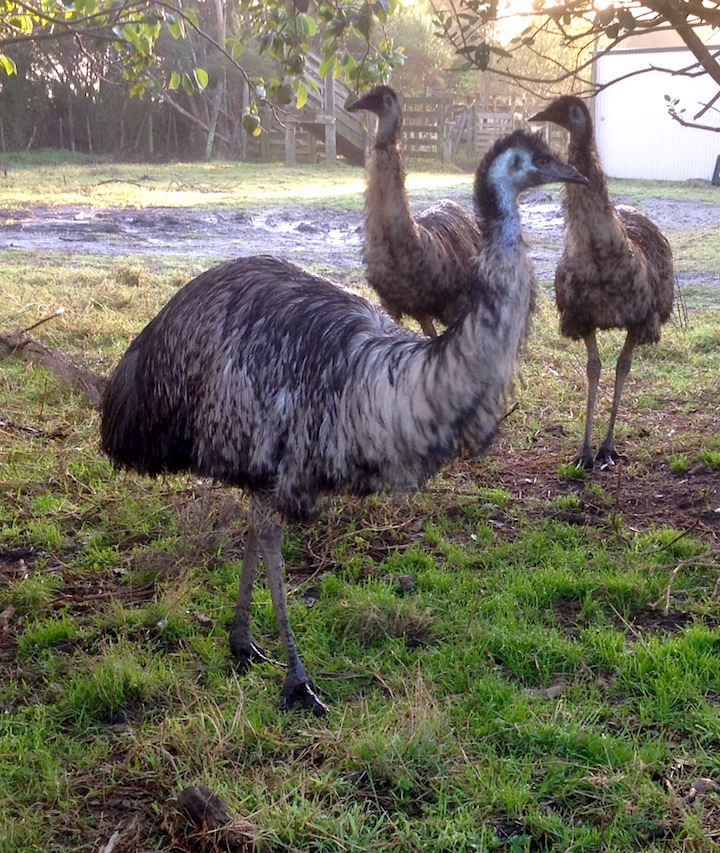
{"points": [[434, 128]]}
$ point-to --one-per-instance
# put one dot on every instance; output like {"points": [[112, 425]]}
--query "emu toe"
{"points": [[585, 459], [303, 691], [247, 652], [608, 457]]}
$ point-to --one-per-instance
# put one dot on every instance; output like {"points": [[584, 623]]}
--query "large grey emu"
{"points": [[266, 377], [420, 267], [616, 271]]}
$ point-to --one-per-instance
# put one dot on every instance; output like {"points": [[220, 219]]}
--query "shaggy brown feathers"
{"points": [[419, 267], [616, 271], [264, 376]]}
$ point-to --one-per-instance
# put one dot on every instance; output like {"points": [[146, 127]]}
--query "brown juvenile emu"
{"points": [[616, 271], [265, 377], [420, 267]]}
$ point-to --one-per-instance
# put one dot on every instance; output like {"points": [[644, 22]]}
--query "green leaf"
{"points": [[605, 16], [326, 66], [626, 19], [174, 81], [187, 84], [201, 77], [302, 95], [176, 28], [7, 64], [306, 26], [130, 35]]}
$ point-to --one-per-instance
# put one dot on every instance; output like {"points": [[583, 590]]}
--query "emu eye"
{"points": [[542, 162]]}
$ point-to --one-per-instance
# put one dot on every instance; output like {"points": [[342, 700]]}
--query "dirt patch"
{"points": [[306, 235], [652, 497]]}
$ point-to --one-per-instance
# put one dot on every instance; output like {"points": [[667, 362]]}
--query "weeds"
{"points": [[517, 658]]}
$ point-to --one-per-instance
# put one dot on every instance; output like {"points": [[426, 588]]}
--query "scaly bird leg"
{"points": [[267, 539], [298, 684], [241, 642], [428, 327], [607, 455], [586, 457]]}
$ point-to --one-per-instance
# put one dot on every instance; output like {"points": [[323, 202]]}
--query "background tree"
{"points": [[580, 29], [129, 44]]}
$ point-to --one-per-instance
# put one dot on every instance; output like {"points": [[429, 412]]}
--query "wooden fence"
{"points": [[438, 128], [435, 127]]}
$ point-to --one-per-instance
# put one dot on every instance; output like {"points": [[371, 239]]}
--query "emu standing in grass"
{"points": [[266, 377], [616, 271], [423, 268]]}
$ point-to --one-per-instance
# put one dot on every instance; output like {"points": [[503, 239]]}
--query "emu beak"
{"points": [[369, 102], [541, 116], [558, 171]]}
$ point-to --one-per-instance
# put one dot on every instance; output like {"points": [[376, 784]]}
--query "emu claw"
{"points": [[304, 692], [585, 459], [248, 653], [608, 457]]}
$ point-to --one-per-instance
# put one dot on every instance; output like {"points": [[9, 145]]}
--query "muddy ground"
{"points": [[309, 235], [333, 238]]}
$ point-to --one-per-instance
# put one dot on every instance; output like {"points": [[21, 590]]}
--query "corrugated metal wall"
{"points": [[635, 135]]}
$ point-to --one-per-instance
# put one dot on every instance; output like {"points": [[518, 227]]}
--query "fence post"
{"points": [[442, 130], [330, 120], [245, 102], [290, 150], [265, 119]]}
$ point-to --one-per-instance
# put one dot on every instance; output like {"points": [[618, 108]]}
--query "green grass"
{"points": [[32, 180], [634, 192], [516, 659]]}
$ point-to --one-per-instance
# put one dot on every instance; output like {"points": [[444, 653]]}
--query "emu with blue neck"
{"points": [[263, 376]]}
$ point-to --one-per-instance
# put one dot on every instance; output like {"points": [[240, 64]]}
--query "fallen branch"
{"points": [[90, 385], [110, 846], [219, 828], [691, 561]]}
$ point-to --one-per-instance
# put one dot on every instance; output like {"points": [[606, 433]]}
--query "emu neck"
{"points": [[498, 210], [389, 129], [468, 370], [387, 210], [591, 223]]}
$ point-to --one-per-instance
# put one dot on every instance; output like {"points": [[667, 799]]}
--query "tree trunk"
{"points": [[217, 101]]}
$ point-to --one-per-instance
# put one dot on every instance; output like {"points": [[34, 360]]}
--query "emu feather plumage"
{"points": [[264, 376], [616, 271], [421, 267]]}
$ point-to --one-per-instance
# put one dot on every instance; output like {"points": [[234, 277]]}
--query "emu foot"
{"points": [[585, 459], [608, 457], [302, 690], [248, 653]]}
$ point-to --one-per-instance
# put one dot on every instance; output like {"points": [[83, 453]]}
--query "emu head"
{"points": [[519, 161], [568, 112], [382, 101]]}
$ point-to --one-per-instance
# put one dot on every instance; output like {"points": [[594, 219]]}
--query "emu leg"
{"points": [[298, 685], [428, 327], [607, 454], [586, 457], [241, 642]]}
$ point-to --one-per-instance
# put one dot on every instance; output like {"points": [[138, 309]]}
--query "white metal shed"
{"points": [[636, 136]]}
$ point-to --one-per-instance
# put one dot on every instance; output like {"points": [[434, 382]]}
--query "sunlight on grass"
{"points": [[521, 657], [200, 185]]}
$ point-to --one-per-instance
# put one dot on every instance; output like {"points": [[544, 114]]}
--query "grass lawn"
{"points": [[516, 659]]}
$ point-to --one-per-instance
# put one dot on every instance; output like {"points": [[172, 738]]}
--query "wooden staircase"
{"points": [[327, 121]]}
